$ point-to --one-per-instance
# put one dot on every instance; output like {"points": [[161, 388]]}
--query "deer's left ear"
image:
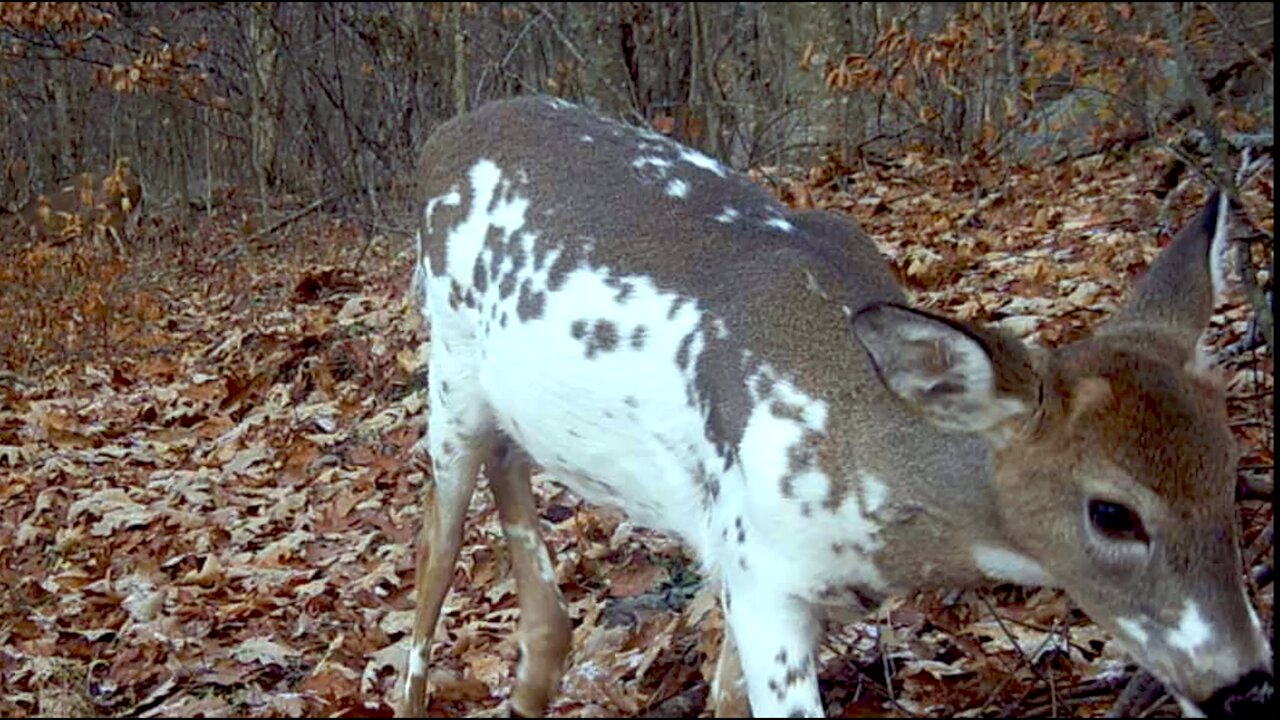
{"points": [[955, 376]]}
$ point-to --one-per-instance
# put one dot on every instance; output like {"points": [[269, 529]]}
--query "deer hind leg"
{"points": [[459, 435], [545, 629]]}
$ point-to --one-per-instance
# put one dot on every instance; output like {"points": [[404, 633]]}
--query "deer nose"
{"points": [[1250, 696]]}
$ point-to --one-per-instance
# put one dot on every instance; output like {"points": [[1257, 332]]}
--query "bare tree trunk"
{"points": [[208, 164], [1012, 65], [847, 43], [112, 150], [64, 133], [630, 53], [264, 44], [412, 16], [699, 88], [178, 149], [460, 98]]}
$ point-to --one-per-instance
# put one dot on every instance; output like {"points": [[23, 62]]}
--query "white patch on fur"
{"points": [[645, 161], [699, 160], [811, 487], [775, 532], [1188, 708], [812, 410], [1253, 616], [522, 666], [657, 139], [467, 239], [1192, 632], [811, 283], [586, 138], [764, 442], [532, 542], [775, 636], [452, 198], [722, 330], [874, 492], [728, 215], [572, 412], [1193, 654], [1133, 630], [780, 224], [677, 188], [1003, 564], [417, 663]]}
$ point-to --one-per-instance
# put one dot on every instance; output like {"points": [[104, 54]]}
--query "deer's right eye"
{"points": [[1116, 521]]}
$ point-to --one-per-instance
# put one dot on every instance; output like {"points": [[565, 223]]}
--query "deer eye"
{"points": [[1116, 521]]}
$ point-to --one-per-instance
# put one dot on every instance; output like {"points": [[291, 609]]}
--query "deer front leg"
{"points": [[774, 634], [545, 629]]}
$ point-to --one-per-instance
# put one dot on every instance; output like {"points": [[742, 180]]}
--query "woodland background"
{"points": [[207, 490]]}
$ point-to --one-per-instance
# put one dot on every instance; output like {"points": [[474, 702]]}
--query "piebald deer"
{"points": [[661, 336], [110, 204]]}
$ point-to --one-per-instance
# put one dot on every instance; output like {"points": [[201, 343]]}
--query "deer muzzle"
{"points": [[1250, 696]]}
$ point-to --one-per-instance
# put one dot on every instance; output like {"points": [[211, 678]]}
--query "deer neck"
{"points": [[941, 488]]}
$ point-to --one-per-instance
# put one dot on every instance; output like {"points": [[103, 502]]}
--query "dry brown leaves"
{"points": [[210, 509]]}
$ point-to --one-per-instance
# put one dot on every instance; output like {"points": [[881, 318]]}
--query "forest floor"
{"points": [[209, 490]]}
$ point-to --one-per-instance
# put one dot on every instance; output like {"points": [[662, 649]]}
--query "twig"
{"points": [[1077, 694], [1264, 64], [1266, 539], [1143, 688], [257, 238], [501, 64], [884, 661], [290, 219], [14, 378], [568, 43], [1014, 641]]}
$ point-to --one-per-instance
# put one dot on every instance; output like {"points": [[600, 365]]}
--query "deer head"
{"points": [[1115, 468]]}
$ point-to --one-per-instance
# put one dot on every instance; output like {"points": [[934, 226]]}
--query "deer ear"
{"points": [[1176, 295], [957, 377]]}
